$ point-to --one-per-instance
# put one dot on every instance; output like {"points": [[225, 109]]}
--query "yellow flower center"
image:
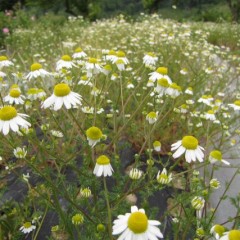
{"points": [[152, 115], [175, 86], [92, 60], [3, 58], [162, 70], [138, 222], [234, 235], [94, 133], [119, 61], [184, 106], [32, 91], [14, 86], [210, 112], [27, 225], [163, 82], [111, 52], [219, 229], [78, 50], [66, 58], [61, 90], [77, 219], [216, 155], [156, 144], [15, 93], [8, 113], [237, 103], [190, 142], [121, 54], [108, 67], [103, 160], [36, 66], [151, 54], [162, 176]]}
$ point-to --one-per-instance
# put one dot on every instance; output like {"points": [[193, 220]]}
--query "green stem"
{"points": [[108, 208]]}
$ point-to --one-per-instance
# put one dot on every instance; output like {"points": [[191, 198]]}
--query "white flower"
{"points": [[198, 203], [11, 120], [56, 133], [94, 135], [209, 115], [189, 91], [189, 146], [85, 81], [27, 227], [79, 53], [161, 72], [93, 67], [4, 62], [14, 97], [88, 110], [216, 156], [217, 230], [214, 183], [150, 59], [135, 173], [65, 62], [20, 152], [163, 177], [231, 235], [136, 226], [120, 56], [174, 90], [37, 71], [162, 86], [35, 93], [157, 146], [152, 117], [62, 95], [206, 99], [235, 105], [103, 167]]}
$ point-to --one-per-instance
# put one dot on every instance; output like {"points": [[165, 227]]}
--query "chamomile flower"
{"points": [[157, 146], [111, 56], [65, 62], [56, 133], [214, 183], [120, 56], [189, 91], [231, 235], [189, 146], [235, 105], [209, 115], [152, 117], [35, 93], [62, 95], [20, 152], [161, 72], [14, 96], [206, 99], [94, 135], [174, 90], [217, 230], [79, 53], [136, 226], [4, 62], [89, 110], [135, 173], [150, 59], [163, 177], [84, 80], [27, 227], [198, 202], [93, 67], [215, 156], [37, 71], [107, 69], [103, 167], [162, 86], [85, 192], [11, 120], [120, 65], [77, 219]]}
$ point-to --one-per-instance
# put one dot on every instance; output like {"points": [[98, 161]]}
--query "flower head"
{"points": [[189, 146], [4, 62], [216, 156], [27, 227], [77, 219], [79, 53], [136, 226], [163, 177], [94, 135], [10, 119], [65, 62], [231, 235], [20, 152], [152, 117], [198, 203], [37, 71], [103, 167], [217, 230], [62, 95], [235, 105], [135, 173], [14, 96], [157, 146]]}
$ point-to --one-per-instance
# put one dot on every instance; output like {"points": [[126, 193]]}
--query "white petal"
{"points": [[134, 209], [179, 152], [5, 128], [58, 103], [49, 101]]}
